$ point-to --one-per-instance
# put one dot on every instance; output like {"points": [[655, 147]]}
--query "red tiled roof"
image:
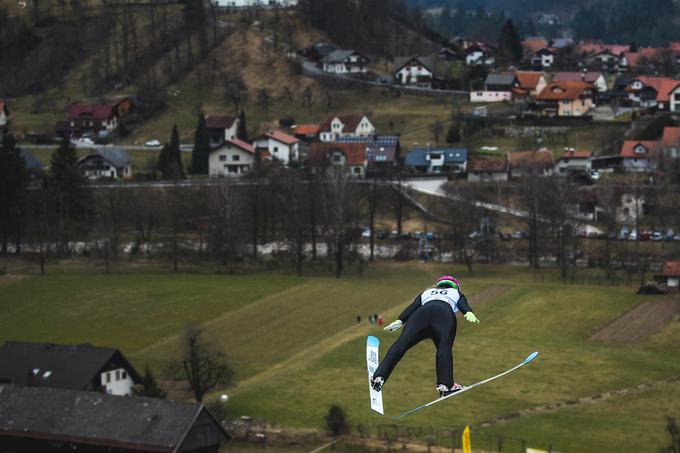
{"points": [[567, 90], [350, 121], [488, 165], [648, 53], [534, 44], [306, 129], [219, 122], [671, 136], [573, 154], [90, 111], [528, 80], [628, 148], [594, 46], [671, 269], [537, 159], [590, 77], [662, 85], [243, 145], [355, 153], [281, 137]]}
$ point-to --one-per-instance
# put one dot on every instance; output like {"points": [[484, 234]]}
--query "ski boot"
{"points": [[443, 390], [376, 383]]}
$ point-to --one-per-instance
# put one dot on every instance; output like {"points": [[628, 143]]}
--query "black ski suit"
{"points": [[435, 319]]}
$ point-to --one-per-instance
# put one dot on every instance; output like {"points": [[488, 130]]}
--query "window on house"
{"points": [[235, 158], [357, 170], [276, 149], [435, 156], [108, 377], [232, 169], [123, 374], [118, 375], [337, 158], [223, 158]]}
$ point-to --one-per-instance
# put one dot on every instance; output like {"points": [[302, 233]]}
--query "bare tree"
{"points": [[202, 363]]}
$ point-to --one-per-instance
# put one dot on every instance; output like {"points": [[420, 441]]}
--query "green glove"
{"points": [[471, 317]]}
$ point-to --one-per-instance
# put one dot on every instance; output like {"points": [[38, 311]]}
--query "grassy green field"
{"points": [[296, 348]]}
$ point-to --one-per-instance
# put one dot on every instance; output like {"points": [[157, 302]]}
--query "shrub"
{"points": [[336, 421]]}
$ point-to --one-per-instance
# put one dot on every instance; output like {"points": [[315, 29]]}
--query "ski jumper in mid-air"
{"points": [[431, 315]]}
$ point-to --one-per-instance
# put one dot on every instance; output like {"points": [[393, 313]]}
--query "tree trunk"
{"points": [[373, 202]]}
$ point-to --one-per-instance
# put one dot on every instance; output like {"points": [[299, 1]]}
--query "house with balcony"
{"points": [[567, 98], [345, 62], [279, 145], [232, 158], [414, 71], [527, 163], [88, 120], [106, 163], [221, 128], [573, 161], [340, 126], [437, 160]]}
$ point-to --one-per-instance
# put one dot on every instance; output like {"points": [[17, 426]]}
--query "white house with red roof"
{"points": [[657, 92], [96, 120], [338, 126], [531, 82], [670, 142], [639, 155], [350, 158], [233, 158], [279, 145], [573, 161]]}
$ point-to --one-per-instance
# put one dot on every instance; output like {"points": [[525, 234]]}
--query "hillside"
{"points": [[296, 349]]}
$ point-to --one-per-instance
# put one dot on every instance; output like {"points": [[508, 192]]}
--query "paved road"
{"points": [[184, 148], [436, 187]]}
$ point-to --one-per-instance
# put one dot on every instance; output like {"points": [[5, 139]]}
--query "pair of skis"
{"points": [[372, 354]]}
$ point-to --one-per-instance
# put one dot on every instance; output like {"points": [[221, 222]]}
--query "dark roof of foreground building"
{"points": [[146, 424], [57, 365]]}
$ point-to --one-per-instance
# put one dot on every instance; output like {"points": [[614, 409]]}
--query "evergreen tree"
{"points": [[201, 154], [164, 162], [453, 134], [68, 186], [242, 132], [509, 44], [149, 386], [176, 165], [13, 183]]}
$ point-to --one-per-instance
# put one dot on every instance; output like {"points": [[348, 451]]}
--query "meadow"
{"points": [[296, 348]]}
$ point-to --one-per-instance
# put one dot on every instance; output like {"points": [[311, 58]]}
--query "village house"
{"points": [[639, 155], [437, 160], [479, 55], [570, 98], [106, 163], [43, 419], [345, 62], [74, 367], [349, 158], [232, 158], [653, 92], [415, 71], [674, 98], [88, 120], [596, 79], [542, 59], [4, 117], [382, 153], [227, 5], [306, 132], [670, 142], [642, 60], [338, 126], [607, 60], [573, 161], [318, 51], [279, 145], [221, 128], [530, 83], [526, 163], [670, 276], [497, 88], [487, 170]]}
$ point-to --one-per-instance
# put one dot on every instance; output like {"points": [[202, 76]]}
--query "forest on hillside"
{"points": [[648, 23]]}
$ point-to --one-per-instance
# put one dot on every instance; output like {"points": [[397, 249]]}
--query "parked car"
{"points": [[519, 235], [366, 233], [633, 236], [657, 236], [394, 234], [645, 235], [381, 234], [504, 236], [669, 234], [152, 143], [623, 233], [594, 175], [83, 142]]}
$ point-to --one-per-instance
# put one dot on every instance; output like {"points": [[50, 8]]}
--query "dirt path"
{"points": [[488, 294], [558, 405], [639, 323], [8, 279]]}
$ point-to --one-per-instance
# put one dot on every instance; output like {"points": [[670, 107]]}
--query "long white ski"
{"points": [[372, 350], [529, 358]]}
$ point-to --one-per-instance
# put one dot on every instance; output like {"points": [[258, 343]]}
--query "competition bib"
{"points": [[448, 295]]}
